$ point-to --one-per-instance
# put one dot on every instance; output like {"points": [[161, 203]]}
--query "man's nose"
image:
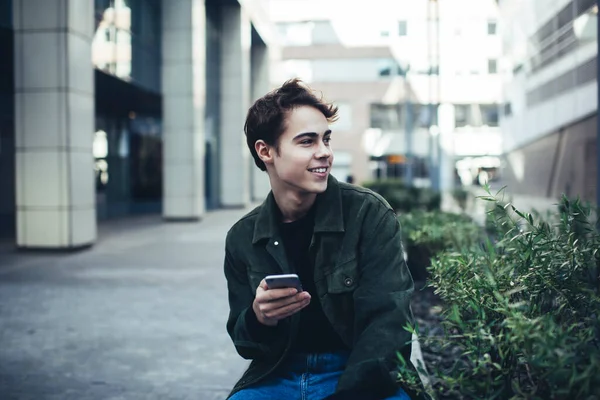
{"points": [[323, 151]]}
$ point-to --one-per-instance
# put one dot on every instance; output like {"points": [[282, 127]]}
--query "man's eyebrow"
{"points": [[311, 134]]}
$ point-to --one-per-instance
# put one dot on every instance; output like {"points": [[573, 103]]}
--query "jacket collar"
{"points": [[328, 215]]}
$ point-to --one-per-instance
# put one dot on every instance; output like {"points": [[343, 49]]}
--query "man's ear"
{"points": [[265, 152]]}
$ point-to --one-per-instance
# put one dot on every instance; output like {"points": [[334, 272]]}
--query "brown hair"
{"points": [[266, 118]]}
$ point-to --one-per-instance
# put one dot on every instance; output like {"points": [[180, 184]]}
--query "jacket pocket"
{"points": [[344, 278]]}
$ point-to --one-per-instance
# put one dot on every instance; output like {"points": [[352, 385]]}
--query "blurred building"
{"points": [[550, 98], [355, 78], [395, 66], [117, 107]]}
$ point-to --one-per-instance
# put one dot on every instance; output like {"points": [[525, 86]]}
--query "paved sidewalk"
{"points": [[141, 315]]}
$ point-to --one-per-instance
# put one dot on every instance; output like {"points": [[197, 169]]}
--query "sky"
{"points": [[353, 20]]}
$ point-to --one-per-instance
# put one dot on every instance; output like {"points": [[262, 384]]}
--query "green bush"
{"points": [[521, 316], [405, 198], [427, 233]]}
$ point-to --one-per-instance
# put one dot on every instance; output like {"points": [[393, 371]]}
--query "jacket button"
{"points": [[348, 282]]}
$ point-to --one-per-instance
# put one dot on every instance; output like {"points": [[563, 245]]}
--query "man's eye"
{"points": [[327, 140], [306, 142]]}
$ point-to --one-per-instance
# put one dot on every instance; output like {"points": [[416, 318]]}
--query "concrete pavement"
{"points": [[140, 315]]}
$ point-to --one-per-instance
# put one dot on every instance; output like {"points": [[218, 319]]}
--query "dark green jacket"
{"points": [[361, 277]]}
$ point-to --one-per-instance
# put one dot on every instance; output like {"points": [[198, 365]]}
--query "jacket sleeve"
{"points": [[382, 307], [252, 339]]}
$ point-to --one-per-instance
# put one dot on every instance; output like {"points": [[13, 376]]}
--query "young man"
{"points": [[338, 338]]}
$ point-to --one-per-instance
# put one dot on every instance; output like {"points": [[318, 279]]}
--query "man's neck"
{"points": [[293, 205]]}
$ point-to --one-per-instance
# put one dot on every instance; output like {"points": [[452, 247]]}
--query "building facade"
{"points": [[550, 98], [415, 81], [118, 107], [452, 51], [354, 78]]}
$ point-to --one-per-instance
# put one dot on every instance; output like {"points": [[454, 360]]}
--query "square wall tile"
{"points": [[177, 14], [178, 113], [81, 69], [177, 79], [180, 207], [81, 179], [81, 121], [178, 146], [77, 8], [39, 14], [40, 60], [83, 226], [42, 228], [41, 179], [176, 46], [40, 120], [179, 180], [235, 189]]}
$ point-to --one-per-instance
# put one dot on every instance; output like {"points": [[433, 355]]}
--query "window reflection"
{"points": [[127, 40], [476, 115], [393, 116], [111, 47], [100, 151]]}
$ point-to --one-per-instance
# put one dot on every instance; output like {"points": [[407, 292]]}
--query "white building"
{"points": [[550, 98], [359, 53]]}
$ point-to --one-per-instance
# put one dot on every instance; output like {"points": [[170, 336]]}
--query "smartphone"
{"points": [[283, 281]]}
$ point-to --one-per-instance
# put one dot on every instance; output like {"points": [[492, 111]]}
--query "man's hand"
{"points": [[271, 305]]}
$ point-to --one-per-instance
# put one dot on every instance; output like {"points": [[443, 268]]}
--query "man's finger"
{"points": [[275, 294], [290, 310], [274, 305]]}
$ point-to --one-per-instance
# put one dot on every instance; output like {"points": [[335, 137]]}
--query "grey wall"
{"points": [[563, 162]]}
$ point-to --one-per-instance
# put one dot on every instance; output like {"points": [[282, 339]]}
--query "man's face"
{"points": [[304, 160]]}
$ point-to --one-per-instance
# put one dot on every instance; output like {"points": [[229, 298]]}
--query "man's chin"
{"points": [[319, 188], [313, 188]]}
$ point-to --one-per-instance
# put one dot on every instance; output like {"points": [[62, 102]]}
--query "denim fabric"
{"points": [[303, 377]]}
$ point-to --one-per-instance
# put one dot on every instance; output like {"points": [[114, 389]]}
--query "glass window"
{"points": [[461, 115], [402, 28], [388, 67], [100, 7], [127, 40], [565, 16], [387, 116], [583, 6], [6, 13], [489, 114], [424, 115], [492, 27], [492, 66], [476, 115]]}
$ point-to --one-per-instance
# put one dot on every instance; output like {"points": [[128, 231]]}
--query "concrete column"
{"points": [[446, 159], [260, 67], [54, 123], [183, 88], [235, 100]]}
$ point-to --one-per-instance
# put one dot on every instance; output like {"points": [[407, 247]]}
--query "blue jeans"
{"points": [[303, 377]]}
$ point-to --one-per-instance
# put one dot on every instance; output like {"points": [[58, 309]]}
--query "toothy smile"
{"points": [[318, 170]]}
